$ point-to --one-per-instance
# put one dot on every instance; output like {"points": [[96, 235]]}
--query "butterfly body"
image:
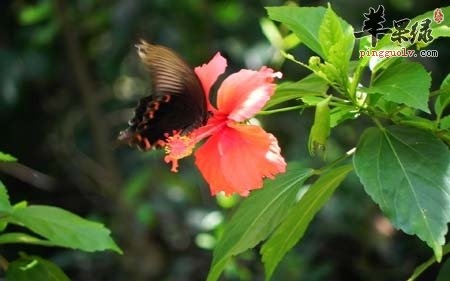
{"points": [[177, 102]]}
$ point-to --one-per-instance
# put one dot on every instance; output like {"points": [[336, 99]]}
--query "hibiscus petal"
{"points": [[237, 158], [208, 160], [244, 93], [208, 73]]}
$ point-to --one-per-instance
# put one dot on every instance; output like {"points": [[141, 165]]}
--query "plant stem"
{"points": [[335, 162], [324, 77], [435, 93], [268, 112], [424, 266], [378, 123], [399, 108], [338, 99], [355, 81]]}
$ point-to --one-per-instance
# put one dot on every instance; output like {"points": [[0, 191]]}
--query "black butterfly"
{"points": [[177, 101]]}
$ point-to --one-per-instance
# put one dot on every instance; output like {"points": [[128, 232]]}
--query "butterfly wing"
{"points": [[177, 102]]}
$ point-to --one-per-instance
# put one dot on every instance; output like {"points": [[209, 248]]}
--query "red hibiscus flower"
{"points": [[236, 156]]}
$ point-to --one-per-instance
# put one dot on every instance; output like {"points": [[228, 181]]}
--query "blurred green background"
{"points": [[69, 77]]}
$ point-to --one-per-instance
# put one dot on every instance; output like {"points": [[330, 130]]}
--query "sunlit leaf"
{"points": [[395, 84], [303, 21], [337, 41]]}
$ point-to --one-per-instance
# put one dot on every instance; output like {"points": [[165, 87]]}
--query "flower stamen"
{"points": [[176, 147]]}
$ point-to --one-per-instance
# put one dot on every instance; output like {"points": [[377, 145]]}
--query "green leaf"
{"points": [[312, 100], [3, 225], [332, 34], [20, 205], [441, 31], [320, 130], [257, 217], [407, 83], [444, 97], [34, 268], [7, 157], [341, 113], [5, 205], [445, 123], [298, 219], [64, 228], [364, 43], [311, 85], [303, 21], [446, 82], [18, 237], [337, 40], [406, 171]]}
